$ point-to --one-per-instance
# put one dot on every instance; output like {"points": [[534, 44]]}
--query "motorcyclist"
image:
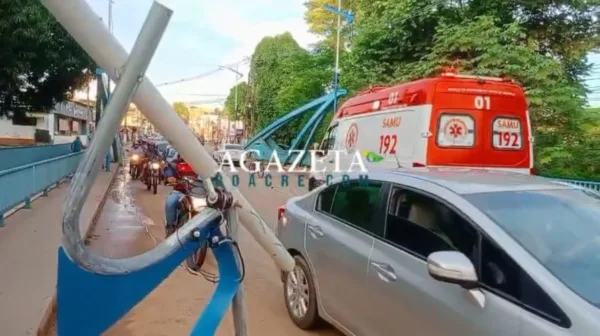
{"points": [[137, 149], [137, 155], [172, 206]]}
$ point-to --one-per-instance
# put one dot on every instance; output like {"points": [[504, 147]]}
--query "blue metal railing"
{"points": [[581, 183], [19, 184], [13, 157]]}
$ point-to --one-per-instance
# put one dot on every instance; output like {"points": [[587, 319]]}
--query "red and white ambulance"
{"points": [[448, 121]]}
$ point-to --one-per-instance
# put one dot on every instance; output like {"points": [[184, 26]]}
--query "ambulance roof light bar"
{"points": [[451, 72]]}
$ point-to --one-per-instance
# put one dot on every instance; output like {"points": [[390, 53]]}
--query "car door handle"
{"points": [[384, 271], [315, 231]]}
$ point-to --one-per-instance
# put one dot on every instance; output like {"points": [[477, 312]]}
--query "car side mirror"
{"points": [[452, 267]]}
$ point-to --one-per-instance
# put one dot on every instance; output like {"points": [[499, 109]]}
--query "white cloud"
{"points": [[242, 23], [237, 20]]}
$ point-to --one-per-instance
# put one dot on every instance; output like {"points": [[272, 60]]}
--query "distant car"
{"points": [[444, 253], [234, 150]]}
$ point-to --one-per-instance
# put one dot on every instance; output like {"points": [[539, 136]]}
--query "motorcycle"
{"points": [[192, 202], [153, 175], [134, 166]]}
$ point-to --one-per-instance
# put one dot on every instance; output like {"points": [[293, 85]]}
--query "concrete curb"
{"points": [[49, 318]]}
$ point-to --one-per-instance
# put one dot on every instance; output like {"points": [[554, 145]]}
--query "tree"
{"points": [[283, 77], [323, 22], [403, 40], [230, 102], [41, 64], [182, 111]]}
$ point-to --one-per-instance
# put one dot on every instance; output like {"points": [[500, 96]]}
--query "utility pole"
{"points": [[349, 18], [336, 78], [238, 75], [235, 102]]}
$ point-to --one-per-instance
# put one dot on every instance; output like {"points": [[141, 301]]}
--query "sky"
{"points": [[204, 34]]}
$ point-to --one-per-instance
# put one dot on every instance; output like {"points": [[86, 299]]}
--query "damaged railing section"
{"points": [[117, 285]]}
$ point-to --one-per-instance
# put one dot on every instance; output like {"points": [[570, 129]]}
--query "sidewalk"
{"points": [[28, 255]]}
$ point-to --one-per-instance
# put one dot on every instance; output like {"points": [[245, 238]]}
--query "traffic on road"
{"points": [[480, 252]]}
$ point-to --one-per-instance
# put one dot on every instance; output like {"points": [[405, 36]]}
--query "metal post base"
{"points": [[90, 303]]}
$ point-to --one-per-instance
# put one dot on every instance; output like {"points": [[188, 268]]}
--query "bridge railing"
{"points": [[13, 157], [581, 183], [19, 184]]}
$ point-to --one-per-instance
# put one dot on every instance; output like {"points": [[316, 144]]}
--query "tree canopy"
{"points": [[182, 111], [236, 107], [40, 64], [543, 45]]}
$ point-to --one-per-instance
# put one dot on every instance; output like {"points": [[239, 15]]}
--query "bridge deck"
{"points": [[132, 222], [28, 253]]}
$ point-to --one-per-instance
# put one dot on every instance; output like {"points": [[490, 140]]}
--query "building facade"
{"points": [[62, 124]]}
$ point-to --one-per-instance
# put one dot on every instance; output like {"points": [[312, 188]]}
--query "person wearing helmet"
{"points": [[172, 207]]}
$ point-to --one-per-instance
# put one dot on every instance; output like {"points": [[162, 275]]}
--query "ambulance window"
{"points": [[329, 140], [507, 133], [456, 130]]}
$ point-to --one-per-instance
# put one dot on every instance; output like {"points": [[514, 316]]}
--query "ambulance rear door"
{"points": [[508, 145]]}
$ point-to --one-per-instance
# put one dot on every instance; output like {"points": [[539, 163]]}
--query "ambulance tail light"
{"points": [[418, 165]]}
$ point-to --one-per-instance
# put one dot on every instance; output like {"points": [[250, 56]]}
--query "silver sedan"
{"points": [[444, 252]]}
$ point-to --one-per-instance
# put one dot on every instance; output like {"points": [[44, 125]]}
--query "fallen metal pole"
{"points": [[79, 20], [133, 74]]}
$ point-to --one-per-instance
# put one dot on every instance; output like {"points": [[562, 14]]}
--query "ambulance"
{"points": [[451, 120]]}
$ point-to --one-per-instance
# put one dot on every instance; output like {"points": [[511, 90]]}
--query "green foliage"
{"points": [[40, 64], [230, 104], [283, 76], [543, 45], [182, 111]]}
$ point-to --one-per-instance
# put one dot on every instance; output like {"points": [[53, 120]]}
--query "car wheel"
{"points": [[301, 297]]}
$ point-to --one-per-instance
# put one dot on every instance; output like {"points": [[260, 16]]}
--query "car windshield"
{"points": [[234, 147], [560, 228]]}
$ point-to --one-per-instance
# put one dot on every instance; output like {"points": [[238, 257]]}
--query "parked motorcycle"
{"points": [[192, 202], [134, 166], [153, 175]]}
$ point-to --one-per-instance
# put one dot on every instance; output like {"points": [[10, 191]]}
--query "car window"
{"points": [[234, 147], [500, 273], [560, 228], [356, 204], [422, 225], [329, 140], [455, 131], [325, 199]]}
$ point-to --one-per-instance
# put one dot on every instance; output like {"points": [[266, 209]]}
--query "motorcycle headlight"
{"points": [[155, 165], [198, 203], [135, 157]]}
